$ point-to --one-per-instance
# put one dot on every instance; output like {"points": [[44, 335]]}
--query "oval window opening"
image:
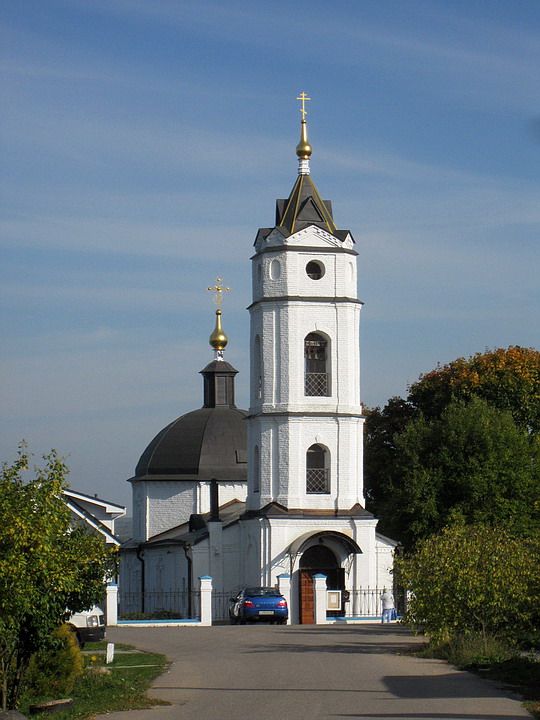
{"points": [[275, 269], [315, 270]]}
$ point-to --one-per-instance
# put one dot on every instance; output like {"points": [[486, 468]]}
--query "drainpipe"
{"points": [[187, 553], [140, 558]]}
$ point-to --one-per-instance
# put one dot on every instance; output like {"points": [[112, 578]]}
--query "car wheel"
{"points": [[242, 620]]}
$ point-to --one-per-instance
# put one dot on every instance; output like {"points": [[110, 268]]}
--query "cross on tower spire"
{"points": [[303, 97]]}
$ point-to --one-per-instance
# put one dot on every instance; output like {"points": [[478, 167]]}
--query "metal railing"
{"points": [[364, 603], [221, 603], [316, 384], [166, 604]]}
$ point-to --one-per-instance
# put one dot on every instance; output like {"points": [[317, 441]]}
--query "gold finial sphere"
{"points": [[218, 340], [303, 149]]}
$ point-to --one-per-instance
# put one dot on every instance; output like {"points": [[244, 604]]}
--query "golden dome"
{"points": [[303, 149], [218, 340]]}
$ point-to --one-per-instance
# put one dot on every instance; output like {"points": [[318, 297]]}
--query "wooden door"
{"points": [[307, 599]]}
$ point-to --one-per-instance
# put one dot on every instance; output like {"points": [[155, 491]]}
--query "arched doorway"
{"points": [[317, 559]]}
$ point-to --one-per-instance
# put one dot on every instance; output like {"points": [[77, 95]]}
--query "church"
{"points": [[248, 496]]}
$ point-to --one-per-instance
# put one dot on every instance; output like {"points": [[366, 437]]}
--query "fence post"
{"points": [[284, 587], [112, 604], [206, 599], [319, 591]]}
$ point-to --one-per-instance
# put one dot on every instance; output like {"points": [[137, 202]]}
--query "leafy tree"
{"points": [[473, 463], [381, 428], [472, 579], [48, 569], [410, 486], [508, 379]]}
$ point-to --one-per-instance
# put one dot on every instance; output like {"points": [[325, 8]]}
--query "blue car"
{"points": [[258, 604]]}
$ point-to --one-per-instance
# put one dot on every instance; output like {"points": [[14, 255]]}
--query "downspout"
{"points": [[187, 553], [140, 558]]}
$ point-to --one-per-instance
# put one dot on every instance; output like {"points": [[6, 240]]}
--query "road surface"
{"points": [[308, 673]]}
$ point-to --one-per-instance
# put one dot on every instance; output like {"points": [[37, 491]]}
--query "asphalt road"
{"points": [[308, 673]]}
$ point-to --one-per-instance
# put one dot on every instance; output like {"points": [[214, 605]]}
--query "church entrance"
{"points": [[317, 559]]}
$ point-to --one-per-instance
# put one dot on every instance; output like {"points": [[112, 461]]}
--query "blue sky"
{"points": [[145, 142]]}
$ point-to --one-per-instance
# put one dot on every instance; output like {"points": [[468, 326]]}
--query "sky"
{"points": [[145, 142]]}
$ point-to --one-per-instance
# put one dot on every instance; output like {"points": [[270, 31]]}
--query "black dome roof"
{"points": [[205, 444]]}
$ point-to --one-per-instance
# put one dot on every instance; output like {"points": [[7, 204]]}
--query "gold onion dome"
{"points": [[303, 149], [218, 340]]}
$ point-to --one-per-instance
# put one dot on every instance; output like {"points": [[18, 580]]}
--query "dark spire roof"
{"points": [[304, 207]]}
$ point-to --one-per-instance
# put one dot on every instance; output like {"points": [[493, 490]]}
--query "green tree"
{"points": [[409, 484], [472, 579], [507, 378], [473, 463], [48, 569], [381, 429]]}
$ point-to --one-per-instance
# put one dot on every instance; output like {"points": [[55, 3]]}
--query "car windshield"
{"points": [[261, 591]]}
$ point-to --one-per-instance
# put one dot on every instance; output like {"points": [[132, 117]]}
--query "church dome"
{"points": [[205, 444], [201, 445]]}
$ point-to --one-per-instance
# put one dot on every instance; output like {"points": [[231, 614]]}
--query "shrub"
{"points": [[470, 580], [54, 672]]}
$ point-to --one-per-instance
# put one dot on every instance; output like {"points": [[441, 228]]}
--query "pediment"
{"points": [[314, 236]]}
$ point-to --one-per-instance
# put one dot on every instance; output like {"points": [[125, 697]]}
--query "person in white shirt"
{"points": [[387, 602]]}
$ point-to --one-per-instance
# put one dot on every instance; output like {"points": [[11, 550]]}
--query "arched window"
{"points": [[317, 470], [256, 470], [316, 365]]}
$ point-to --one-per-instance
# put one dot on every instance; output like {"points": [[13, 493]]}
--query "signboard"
{"points": [[333, 599]]}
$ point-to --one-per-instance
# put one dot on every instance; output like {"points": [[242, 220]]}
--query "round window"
{"points": [[315, 270]]}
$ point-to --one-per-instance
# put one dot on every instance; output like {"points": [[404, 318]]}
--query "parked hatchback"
{"points": [[258, 604]]}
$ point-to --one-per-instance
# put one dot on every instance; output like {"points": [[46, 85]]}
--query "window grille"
{"points": [[317, 471], [318, 480], [316, 371]]}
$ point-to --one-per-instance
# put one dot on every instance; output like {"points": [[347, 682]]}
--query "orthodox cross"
{"points": [[303, 97], [218, 289]]}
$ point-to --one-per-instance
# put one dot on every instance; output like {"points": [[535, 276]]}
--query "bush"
{"points": [[472, 580], [54, 672], [154, 615], [472, 651]]}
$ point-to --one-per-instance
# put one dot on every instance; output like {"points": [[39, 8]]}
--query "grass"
{"points": [[494, 659], [120, 688]]}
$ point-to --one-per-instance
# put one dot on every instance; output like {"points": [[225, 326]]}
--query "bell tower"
{"points": [[305, 418]]}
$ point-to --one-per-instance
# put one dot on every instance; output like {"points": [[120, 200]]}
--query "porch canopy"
{"points": [[304, 541]]}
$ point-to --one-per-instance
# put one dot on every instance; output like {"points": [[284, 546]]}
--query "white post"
{"points": [[112, 604], [206, 599], [110, 653], [284, 587], [319, 590]]}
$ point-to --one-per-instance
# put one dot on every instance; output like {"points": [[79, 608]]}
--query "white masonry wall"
{"points": [[160, 505], [283, 442]]}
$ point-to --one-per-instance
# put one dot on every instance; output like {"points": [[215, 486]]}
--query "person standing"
{"points": [[387, 602]]}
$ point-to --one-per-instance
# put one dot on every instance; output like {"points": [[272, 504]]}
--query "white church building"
{"points": [[248, 496]]}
